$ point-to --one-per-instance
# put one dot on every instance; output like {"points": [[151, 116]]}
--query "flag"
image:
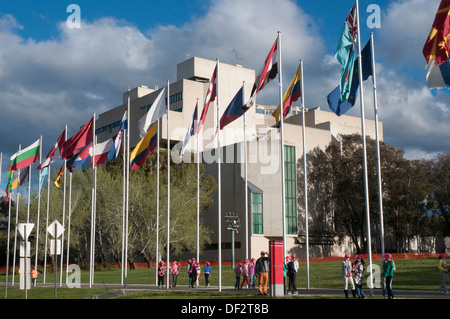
{"points": [[210, 96], [22, 179], [345, 53], [44, 174], [101, 152], [117, 145], [58, 178], [292, 94], [55, 152], [234, 109], [25, 157], [334, 98], [8, 185], [191, 130], [438, 76], [268, 73], [81, 157], [437, 44], [156, 111], [145, 146], [82, 138]]}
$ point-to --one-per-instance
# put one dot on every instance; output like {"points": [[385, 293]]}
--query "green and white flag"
{"points": [[25, 157]]}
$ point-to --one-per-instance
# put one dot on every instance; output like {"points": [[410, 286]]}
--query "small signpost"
{"points": [[25, 263], [55, 230]]}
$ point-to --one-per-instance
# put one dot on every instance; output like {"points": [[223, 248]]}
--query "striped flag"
{"points": [[117, 146], [437, 44], [55, 152], [82, 138], [210, 97], [191, 130], [234, 109], [268, 73], [101, 152], [156, 111], [438, 76], [145, 146], [292, 94], [25, 157]]}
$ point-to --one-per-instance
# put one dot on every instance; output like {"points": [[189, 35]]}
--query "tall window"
{"points": [[257, 213], [290, 190]]}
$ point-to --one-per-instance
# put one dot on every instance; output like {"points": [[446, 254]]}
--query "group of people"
{"points": [[251, 270], [353, 274], [290, 272], [193, 272]]}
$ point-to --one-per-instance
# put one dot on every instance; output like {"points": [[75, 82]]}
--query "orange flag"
{"points": [[437, 45]]}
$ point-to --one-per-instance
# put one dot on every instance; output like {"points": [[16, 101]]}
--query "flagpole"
{"points": [[304, 173], [157, 206], [93, 199], [46, 223], [123, 201], [128, 189], [366, 186], [198, 187], [283, 205], [245, 173], [375, 107], [63, 219], [168, 187], [68, 226], [39, 204], [17, 221], [219, 204], [7, 247], [29, 195]]}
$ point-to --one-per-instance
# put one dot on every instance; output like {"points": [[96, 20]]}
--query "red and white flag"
{"points": [[210, 97], [55, 152], [268, 72], [101, 152]]}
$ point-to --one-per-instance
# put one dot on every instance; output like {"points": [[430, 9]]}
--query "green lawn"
{"points": [[410, 274]]}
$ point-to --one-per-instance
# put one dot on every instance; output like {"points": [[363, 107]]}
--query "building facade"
{"points": [[249, 152]]}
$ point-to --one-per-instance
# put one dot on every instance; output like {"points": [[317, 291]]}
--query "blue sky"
{"points": [[51, 75]]}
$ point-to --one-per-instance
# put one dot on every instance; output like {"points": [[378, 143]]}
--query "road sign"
{"points": [[25, 229], [55, 229]]}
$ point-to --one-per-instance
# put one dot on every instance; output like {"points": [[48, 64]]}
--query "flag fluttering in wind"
{"points": [[25, 157], [437, 44], [55, 152], [22, 179], [156, 111], [191, 131], [292, 94], [268, 73], [117, 146], [334, 98], [82, 138], [234, 109], [144, 147], [101, 152], [210, 97], [438, 76], [346, 53]]}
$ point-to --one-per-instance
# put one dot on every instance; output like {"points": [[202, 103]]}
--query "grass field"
{"points": [[419, 274]]}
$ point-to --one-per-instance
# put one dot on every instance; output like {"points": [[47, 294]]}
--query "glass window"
{"points": [[290, 189], [257, 213]]}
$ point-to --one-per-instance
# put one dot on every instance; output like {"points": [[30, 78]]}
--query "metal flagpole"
{"points": [[198, 189], [39, 204], [46, 223], [304, 173], [219, 203], [128, 190], [168, 187], [283, 200], [17, 221], [64, 218], [245, 173], [366, 186], [375, 107], [157, 206], [68, 227], [91, 260], [123, 200], [7, 247]]}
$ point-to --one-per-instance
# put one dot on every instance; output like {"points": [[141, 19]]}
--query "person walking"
{"points": [[251, 273], [346, 274], [198, 269], [262, 269], [443, 271], [238, 273], [388, 275], [358, 276], [292, 274], [193, 277], [175, 269], [245, 274], [34, 275], [207, 273]]}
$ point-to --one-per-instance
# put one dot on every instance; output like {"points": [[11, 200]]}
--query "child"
{"points": [[197, 267], [346, 274], [161, 273], [358, 276], [207, 273], [238, 273], [388, 275], [443, 270], [251, 273], [245, 274], [175, 270]]}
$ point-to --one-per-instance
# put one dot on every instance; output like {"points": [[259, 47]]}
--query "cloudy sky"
{"points": [[52, 75]]}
